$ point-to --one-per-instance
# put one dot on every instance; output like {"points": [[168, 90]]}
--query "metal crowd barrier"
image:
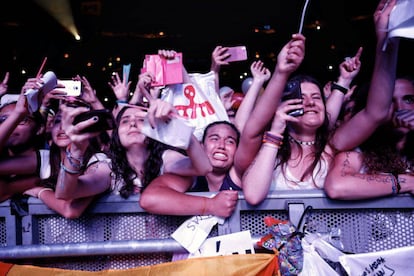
{"points": [[115, 233]]}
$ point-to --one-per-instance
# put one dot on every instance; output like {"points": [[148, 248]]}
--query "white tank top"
{"points": [[287, 181]]}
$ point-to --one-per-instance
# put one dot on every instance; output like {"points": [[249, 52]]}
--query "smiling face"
{"points": [[220, 144], [314, 107]]}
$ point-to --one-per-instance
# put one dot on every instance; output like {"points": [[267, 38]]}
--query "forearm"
{"points": [[171, 202], [69, 209], [333, 106], [67, 184], [258, 177], [137, 97], [19, 186], [20, 165], [262, 114], [382, 82], [198, 157], [266, 106], [247, 105], [71, 167], [354, 186]]}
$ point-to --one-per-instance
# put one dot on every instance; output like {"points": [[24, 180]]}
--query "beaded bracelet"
{"points": [[69, 154], [69, 171], [72, 158]]}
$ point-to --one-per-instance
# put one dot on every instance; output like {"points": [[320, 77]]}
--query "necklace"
{"points": [[306, 143]]}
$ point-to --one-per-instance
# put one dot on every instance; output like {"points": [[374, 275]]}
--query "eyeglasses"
{"points": [[25, 121]]}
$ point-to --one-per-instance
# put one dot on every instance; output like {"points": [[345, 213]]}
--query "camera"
{"points": [[293, 91], [105, 121]]}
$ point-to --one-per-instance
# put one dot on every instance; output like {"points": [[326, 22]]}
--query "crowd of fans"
{"points": [[353, 140]]}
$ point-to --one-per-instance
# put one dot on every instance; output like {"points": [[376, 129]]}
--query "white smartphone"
{"points": [[72, 88]]}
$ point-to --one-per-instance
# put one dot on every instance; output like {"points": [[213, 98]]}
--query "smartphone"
{"points": [[293, 91], [74, 102], [237, 53], [72, 87], [105, 121]]}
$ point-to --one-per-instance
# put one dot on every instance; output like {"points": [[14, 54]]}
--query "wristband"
{"points": [[69, 171], [339, 87], [121, 101], [396, 186]]}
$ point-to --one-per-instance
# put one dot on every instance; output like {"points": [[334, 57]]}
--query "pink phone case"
{"points": [[237, 53], [165, 71]]}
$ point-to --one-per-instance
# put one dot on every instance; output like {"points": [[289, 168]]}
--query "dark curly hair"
{"points": [[322, 133], [122, 170], [381, 154]]}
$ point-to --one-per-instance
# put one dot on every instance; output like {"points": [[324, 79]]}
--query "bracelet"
{"points": [[70, 158], [69, 154], [69, 171], [396, 186], [270, 138], [336, 86], [270, 145], [204, 206], [121, 101], [42, 190], [43, 110], [268, 134]]}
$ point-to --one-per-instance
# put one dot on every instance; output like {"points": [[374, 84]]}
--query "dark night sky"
{"points": [[111, 29]]}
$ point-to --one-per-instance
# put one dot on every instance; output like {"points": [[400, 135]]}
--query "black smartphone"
{"points": [[293, 91], [105, 121], [74, 102]]}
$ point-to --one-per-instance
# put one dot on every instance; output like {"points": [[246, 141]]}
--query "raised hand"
{"points": [[3, 84], [120, 87], [291, 55], [88, 93], [350, 67], [218, 58]]}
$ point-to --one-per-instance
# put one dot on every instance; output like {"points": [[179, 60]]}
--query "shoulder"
{"points": [[98, 161], [98, 157]]}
